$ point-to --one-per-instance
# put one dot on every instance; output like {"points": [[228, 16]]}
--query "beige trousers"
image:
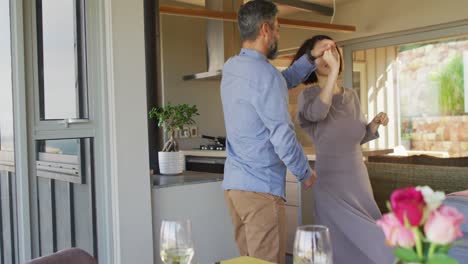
{"points": [[259, 221]]}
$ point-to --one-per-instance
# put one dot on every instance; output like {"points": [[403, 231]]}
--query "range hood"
{"points": [[214, 46]]}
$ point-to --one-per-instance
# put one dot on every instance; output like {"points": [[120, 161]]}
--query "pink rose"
{"points": [[443, 225], [395, 233], [403, 237], [408, 202], [388, 223]]}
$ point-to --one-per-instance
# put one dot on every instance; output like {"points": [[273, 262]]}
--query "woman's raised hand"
{"points": [[331, 58]]}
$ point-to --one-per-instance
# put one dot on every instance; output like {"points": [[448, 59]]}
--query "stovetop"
{"points": [[212, 147]]}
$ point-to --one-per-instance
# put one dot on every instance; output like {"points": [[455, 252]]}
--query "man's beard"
{"points": [[273, 51]]}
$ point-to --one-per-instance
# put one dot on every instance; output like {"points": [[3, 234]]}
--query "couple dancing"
{"points": [[261, 145]]}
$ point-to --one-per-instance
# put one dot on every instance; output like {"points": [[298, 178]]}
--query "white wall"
{"points": [[293, 37], [184, 52], [372, 17], [127, 132]]}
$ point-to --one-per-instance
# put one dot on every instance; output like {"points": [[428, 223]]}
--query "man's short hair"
{"points": [[252, 15]]}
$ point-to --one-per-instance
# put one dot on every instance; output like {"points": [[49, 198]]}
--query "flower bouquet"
{"points": [[421, 229]]}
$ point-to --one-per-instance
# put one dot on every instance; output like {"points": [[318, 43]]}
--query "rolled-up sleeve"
{"points": [[311, 108], [369, 135], [298, 72], [272, 107]]}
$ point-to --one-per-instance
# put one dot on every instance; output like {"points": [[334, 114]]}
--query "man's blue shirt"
{"points": [[261, 142]]}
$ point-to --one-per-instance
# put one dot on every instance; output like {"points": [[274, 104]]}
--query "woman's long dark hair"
{"points": [[307, 46]]}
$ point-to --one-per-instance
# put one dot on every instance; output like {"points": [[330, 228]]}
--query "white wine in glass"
{"points": [[312, 245], [176, 246], [176, 256]]}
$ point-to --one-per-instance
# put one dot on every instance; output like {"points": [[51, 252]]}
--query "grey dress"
{"points": [[343, 195]]}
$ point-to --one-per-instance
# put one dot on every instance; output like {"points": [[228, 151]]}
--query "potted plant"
{"points": [[170, 118]]}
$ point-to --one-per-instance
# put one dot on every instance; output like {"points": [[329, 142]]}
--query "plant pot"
{"points": [[171, 163], [406, 143]]}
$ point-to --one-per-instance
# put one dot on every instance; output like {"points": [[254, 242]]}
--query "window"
{"points": [[64, 159], [422, 87], [433, 107], [62, 59]]}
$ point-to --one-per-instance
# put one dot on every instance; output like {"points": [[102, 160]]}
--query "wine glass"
{"points": [[176, 245], [312, 245]]}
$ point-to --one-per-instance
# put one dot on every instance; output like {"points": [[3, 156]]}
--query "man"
{"points": [[261, 142]]}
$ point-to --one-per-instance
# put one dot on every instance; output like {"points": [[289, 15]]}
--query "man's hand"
{"points": [[321, 47], [310, 181]]}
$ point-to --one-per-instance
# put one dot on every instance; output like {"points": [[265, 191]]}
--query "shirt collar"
{"points": [[252, 53]]}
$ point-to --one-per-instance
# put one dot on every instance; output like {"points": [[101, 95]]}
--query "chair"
{"points": [[460, 252], [66, 256]]}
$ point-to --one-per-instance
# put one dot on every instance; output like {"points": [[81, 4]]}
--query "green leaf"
{"points": [[426, 247], [442, 259], [389, 206], [443, 249], [406, 254], [173, 117]]}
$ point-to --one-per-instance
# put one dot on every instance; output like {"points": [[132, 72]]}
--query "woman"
{"points": [[344, 201]]}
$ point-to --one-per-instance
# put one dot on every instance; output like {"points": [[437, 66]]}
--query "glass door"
{"points": [[8, 205], [62, 130]]}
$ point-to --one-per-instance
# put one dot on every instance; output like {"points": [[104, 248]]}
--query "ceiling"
{"points": [[283, 10]]}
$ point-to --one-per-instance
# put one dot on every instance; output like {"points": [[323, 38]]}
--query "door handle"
{"points": [[66, 122]]}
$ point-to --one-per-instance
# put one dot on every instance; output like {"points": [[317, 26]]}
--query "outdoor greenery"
{"points": [[451, 89], [171, 118], [403, 48]]}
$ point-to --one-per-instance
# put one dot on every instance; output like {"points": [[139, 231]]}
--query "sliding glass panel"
{"points": [[61, 52], [422, 86], [6, 96]]}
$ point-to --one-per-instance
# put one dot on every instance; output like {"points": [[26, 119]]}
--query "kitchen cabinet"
{"points": [[199, 197], [299, 208], [292, 210]]}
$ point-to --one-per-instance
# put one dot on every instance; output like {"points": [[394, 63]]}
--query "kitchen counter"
{"points": [[197, 196], [187, 177], [219, 154], [309, 152]]}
